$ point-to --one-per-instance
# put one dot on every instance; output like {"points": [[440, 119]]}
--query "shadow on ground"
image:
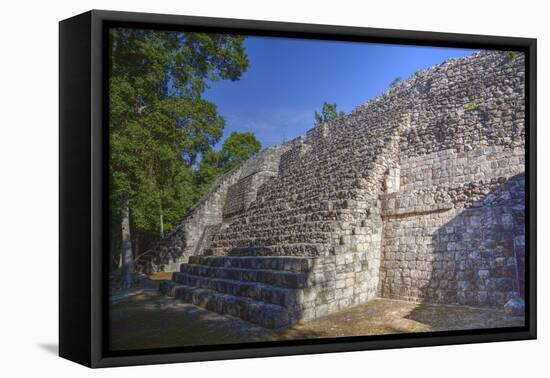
{"points": [[451, 318], [153, 321], [51, 348]]}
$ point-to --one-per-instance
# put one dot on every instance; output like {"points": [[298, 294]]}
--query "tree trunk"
{"points": [[161, 215], [136, 247], [127, 255], [115, 251]]}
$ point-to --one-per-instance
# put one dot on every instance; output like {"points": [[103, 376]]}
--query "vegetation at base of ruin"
{"points": [[471, 105], [163, 132], [329, 113], [511, 55]]}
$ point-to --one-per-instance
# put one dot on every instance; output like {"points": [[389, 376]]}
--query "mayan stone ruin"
{"points": [[416, 195]]}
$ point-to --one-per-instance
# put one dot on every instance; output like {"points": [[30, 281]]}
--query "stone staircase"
{"points": [[265, 290]]}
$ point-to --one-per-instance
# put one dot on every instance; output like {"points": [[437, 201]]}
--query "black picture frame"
{"points": [[83, 210]]}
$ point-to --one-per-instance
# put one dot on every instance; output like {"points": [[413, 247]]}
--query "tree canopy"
{"points": [[236, 148], [162, 130], [328, 113]]}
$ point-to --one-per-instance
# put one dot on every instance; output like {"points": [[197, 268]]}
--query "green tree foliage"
{"points": [[511, 55], [328, 113], [160, 125], [236, 148]]}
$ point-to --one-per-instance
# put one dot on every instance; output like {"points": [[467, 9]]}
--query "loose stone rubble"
{"points": [[418, 194]]}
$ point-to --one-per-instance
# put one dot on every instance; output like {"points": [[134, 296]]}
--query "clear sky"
{"points": [[288, 79]]}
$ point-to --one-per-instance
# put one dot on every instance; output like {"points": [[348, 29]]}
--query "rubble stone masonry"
{"points": [[417, 195]]}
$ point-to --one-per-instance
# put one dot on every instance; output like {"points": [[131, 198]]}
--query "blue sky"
{"points": [[288, 79]]}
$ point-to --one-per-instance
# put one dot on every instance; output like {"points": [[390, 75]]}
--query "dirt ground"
{"points": [[148, 320]]}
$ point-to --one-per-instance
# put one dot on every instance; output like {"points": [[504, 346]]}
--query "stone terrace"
{"points": [[416, 195]]}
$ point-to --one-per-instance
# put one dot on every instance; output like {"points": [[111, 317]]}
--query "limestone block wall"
{"points": [[318, 207], [240, 195], [417, 194], [182, 242], [451, 168], [315, 202], [465, 253], [208, 214], [335, 283], [256, 172], [454, 231]]}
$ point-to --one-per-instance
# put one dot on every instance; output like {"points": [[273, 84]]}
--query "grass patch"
{"points": [[471, 105], [161, 276], [511, 55]]}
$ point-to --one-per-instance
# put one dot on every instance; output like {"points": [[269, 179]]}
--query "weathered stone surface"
{"points": [[271, 277], [293, 264], [418, 194], [515, 307], [267, 315]]}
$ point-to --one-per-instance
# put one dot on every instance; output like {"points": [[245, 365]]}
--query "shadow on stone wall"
{"points": [[479, 255]]}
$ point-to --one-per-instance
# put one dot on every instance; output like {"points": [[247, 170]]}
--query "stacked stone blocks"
{"points": [[416, 195]]}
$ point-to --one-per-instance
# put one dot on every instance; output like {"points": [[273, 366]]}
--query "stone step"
{"points": [[286, 263], [261, 313], [310, 250], [307, 249], [249, 251], [258, 291], [280, 278]]}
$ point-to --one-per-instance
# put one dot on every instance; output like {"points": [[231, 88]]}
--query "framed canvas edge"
{"points": [[75, 271], [99, 300]]}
